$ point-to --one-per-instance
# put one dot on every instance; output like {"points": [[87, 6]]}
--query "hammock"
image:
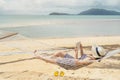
{"points": [[111, 53], [108, 54]]}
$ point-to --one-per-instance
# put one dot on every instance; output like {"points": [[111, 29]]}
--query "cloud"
{"points": [[2, 2], [112, 2], [47, 6]]}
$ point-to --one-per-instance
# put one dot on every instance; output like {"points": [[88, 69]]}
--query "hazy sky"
{"points": [[47, 6]]}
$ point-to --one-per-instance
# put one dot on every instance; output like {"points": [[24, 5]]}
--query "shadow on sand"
{"points": [[3, 63]]}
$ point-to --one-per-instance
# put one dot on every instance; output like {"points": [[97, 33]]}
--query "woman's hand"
{"points": [[76, 50]]}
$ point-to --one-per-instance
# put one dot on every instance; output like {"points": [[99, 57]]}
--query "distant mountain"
{"points": [[56, 13], [99, 12], [91, 12]]}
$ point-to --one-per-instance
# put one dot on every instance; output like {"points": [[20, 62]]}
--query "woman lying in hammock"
{"points": [[69, 62]]}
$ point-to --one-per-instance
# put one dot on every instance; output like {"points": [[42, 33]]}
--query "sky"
{"points": [[41, 7]]}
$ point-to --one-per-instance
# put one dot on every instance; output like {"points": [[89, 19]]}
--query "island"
{"points": [[92, 11]]}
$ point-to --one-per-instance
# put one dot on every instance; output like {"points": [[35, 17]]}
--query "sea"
{"points": [[56, 26]]}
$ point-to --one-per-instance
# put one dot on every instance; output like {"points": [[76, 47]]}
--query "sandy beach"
{"points": [[17, 61]]}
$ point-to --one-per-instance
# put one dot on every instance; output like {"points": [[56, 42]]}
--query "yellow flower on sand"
{"points": [[62, 73], [56, 73]]}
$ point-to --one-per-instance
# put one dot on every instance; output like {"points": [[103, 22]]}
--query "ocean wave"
{"points": [[55, 22]]}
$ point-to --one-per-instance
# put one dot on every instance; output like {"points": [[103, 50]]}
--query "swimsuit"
{"points": [[68, 62]]}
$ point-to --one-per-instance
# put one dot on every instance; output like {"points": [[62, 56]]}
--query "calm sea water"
{"points": [[37, 26]]}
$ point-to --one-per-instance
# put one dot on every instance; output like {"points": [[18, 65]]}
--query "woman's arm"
{"points": [[76, 53], [84, 62], [81, 49]]}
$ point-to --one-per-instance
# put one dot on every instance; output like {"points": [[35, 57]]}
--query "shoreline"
{"points": [[76, 37]]}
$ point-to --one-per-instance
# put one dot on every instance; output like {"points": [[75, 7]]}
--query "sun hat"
{"points": [[98, 51]]}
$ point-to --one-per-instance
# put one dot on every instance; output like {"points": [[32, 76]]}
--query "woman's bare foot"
{"points": [[35, 53]]}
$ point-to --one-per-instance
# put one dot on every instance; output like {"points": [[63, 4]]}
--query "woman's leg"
{"points": [[59, 54], [53, 61]]}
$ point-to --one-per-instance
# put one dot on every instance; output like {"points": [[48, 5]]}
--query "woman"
{"points": [[69, 62]]}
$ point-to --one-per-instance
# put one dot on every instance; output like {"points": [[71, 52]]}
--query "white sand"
{"points": [[24, 67]]}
